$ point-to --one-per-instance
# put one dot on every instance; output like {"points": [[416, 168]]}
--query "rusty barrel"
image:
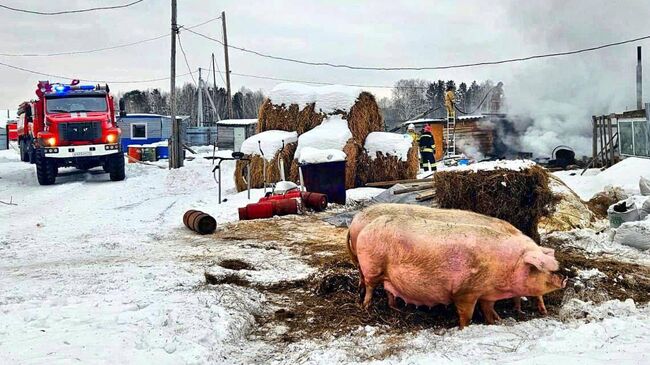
{"points": [[315, 201], [256, 211], [285, 206], [199, 222]]}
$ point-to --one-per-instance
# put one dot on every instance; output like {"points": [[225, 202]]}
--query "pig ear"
{"points": [[548, 251], [541, 261]]}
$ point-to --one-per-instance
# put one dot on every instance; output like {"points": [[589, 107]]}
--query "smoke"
{"points": [[560, 95]]}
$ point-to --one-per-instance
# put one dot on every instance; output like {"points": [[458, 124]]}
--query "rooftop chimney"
{"points": [[639, 82]]}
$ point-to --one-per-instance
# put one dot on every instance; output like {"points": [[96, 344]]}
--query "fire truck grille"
{"points": [[86, 131]]}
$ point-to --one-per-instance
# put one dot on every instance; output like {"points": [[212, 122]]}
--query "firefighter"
{"points": [[412, 133], [450, 95], [427, 149]]}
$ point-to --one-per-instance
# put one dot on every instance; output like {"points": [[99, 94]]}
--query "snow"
{"points": [[362, 194], [271, 142], [625, 174], [315, 155], [332, 134], [514, 165], [390, 144], [601, 245], [634, 234], [328, 98], [99, 272], [590, 274], [237, 122]]}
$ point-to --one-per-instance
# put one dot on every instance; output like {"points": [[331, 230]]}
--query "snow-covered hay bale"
{"points": [[288, 117], [515, 191], [271, 143], [297, 107], [387, 156]]}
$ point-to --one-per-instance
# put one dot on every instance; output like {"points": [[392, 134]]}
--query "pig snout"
{"points": [[558, 280]]}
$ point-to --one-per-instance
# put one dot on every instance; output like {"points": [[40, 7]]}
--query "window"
{"points": [[73, 104], [139, 131], [641, 138], [626, 134]]}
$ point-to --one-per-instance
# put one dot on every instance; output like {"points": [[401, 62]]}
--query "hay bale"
{"points": [[288, 118], [388, 156], [364, 117], [521, 197], [257, 168]]}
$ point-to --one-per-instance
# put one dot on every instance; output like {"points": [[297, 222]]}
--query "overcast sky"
{"points": [[367, 33]]}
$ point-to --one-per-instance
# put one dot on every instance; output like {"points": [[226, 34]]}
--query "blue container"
{"points": [[162, 152], [463, 162], [326, 178]]}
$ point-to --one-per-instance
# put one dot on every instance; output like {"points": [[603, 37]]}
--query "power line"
{"points": [[68, 53], [86, 80], [180, 45], [446, 67], [71, 11]]}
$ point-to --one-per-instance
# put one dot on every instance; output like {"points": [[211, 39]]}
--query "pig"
{"points": [[445, 215], [428, 262]]}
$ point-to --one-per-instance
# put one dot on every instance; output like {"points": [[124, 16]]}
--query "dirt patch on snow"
{"points": [[327, 302], [234, 264]]}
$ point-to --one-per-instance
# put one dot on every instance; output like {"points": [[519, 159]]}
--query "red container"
{"points": [[256, 211], [315, 201], [135, 153], [285, 206], [291, 194]]}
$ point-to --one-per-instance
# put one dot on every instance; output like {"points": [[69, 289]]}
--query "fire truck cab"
{"points": [[70, 125]]}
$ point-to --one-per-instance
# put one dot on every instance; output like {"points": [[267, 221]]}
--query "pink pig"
{"points": [[444, 215], [428, 262]]}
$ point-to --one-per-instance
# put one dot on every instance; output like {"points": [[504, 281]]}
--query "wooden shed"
{"points": [[231, 133]]}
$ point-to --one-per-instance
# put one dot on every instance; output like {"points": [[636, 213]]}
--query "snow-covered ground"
{"points": [[94, 272]]}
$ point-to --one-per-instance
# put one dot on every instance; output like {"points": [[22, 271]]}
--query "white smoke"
{"points": [[561, 94]]}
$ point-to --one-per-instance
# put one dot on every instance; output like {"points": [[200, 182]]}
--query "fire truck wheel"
{"points": [[46, 170], [115, 167], [23, 150]]}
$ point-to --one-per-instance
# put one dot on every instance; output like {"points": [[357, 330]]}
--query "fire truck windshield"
{"points": [[70, 104]]}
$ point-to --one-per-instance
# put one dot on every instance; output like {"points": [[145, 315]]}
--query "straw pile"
{"points": [[388, 167], [257, 168], [291, 118], [519, 197]]}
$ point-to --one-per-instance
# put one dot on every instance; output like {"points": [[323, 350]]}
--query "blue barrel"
{"points": [[162, 152], [326, 178]]}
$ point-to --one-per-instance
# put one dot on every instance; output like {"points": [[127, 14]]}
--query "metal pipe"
{"points": [[248, 179]]}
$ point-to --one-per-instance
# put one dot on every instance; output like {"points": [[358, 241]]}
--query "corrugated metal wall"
{"points": [[226, 135]]}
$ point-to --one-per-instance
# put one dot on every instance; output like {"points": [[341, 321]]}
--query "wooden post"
{"points": [[603, 144], [225, 53], [594, 139], [610, 134]]}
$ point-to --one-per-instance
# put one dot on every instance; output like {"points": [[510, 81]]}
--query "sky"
{"points": [[557, 92]]}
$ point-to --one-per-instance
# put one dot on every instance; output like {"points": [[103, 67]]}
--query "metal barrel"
{"points": [[187, 215], [256, 211], [315, 201], [285, 206], [199, 222]]}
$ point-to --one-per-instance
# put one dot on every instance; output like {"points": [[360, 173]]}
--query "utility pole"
{"points": [[225, 52], [175, 160], [199, 104]]}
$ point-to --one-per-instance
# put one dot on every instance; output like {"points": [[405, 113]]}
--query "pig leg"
{"points": [[465, 308], [370, 287], [540, 305], [487, 307], [517, 301], [362, 286]]}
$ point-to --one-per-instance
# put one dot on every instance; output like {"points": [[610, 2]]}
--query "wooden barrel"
{"points": [[315, 201], [199, 222]]}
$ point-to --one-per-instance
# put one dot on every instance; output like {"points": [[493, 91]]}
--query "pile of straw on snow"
{"points": [[518, 194], [288, 118], [388, 156]]}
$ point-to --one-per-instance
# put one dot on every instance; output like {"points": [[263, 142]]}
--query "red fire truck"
{"points": [[70, 125]]}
